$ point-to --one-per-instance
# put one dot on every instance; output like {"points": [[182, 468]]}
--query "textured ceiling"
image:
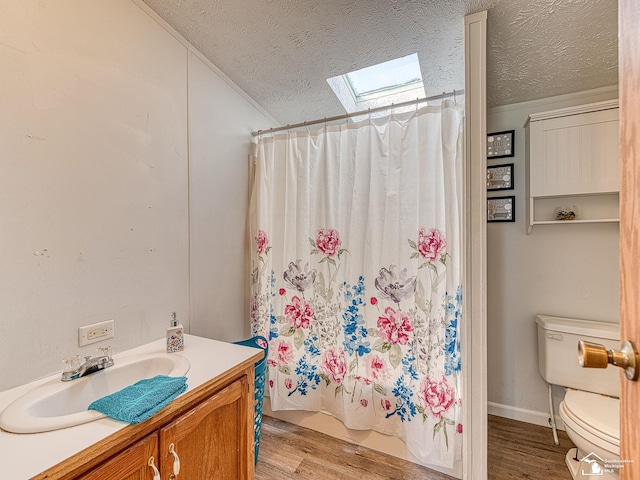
{"points": [[280, 52]]}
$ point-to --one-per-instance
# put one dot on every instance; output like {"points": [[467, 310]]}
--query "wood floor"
{"points": [[522, 450], [516, 450]]}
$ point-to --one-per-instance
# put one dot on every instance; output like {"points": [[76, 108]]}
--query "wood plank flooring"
{"points": [[522, 450], [516, 450]]}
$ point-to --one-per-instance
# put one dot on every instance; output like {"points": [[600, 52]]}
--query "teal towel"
{"points": [[138, 402]]}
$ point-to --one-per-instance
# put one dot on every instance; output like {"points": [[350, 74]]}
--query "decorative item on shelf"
{"points": [[500, 144], [500, 177], [501, 209], [565, 213]]}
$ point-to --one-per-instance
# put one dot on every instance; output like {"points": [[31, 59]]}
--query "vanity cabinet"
{"points": [[573, 164], [206, 439], [208, 432], [131, 464]]}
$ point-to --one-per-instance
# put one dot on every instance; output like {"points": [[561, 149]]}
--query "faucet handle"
{"points": [[71, 363], [105, 351]]}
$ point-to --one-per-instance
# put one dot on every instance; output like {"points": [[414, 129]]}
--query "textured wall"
{"points": [[281, 52], [94, 195], [110, 207]]}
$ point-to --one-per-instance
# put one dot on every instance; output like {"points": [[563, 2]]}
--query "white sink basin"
{"points": [[56, 404]]}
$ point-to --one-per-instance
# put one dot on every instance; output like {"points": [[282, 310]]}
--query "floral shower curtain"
{"points": [[356, 271]]}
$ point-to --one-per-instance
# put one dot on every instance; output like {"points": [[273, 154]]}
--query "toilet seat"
{"points": [[595, 417]]}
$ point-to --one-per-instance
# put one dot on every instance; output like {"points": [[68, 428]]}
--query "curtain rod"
{"points": [[356, 114]]}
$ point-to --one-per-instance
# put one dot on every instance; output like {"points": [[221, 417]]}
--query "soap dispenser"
{"points": [[175, 336]]}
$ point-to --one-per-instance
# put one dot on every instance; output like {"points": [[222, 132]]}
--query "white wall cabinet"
{"points": [[572, 161]]}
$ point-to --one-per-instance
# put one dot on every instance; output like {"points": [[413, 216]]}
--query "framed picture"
{"points": [[500, 144], [500, 177], [501, 209]]}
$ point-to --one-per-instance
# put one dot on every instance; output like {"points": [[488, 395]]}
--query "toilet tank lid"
{"points": [[587, 328]]}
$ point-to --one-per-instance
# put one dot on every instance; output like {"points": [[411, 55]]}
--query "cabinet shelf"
{"points": [[565, 222], [596, 208]]}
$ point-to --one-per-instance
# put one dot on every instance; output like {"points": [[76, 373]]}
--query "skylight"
{"points": [[395, 81], [385, 78]]}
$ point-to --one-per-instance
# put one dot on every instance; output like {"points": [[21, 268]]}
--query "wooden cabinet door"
{"points": [[214, 440], [131, 464], [574, 153]]}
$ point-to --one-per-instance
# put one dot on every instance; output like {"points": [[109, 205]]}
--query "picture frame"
{"points": [[501, 209], [501, 144], [500, 177]]}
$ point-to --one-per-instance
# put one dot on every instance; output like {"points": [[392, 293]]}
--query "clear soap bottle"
{"points": [[175, 336]]}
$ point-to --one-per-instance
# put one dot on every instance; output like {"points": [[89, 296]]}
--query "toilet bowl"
{"points": [[591, 421]]}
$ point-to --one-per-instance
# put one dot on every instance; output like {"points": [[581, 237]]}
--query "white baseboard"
{"points": [[523, 415]]}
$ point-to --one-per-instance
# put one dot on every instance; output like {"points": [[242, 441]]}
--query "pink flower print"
{"points": [[395, 326], [298, 313], [263, 242], [377, 368], [284, 351], [272, 363], [436, 395], [431, 245], [288, 384], [364, 380], [271, 383], [373, 301], [282, 291], [364, 402], [328, 241], [459, 428], [386, 404], [334, 365]]}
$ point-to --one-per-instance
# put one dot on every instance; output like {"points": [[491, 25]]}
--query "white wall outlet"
{"points": [[95, 333]]}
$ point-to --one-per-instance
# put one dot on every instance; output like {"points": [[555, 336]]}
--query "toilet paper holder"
{"points": [[594, 355]]}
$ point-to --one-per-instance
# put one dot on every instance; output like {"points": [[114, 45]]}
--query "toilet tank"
{"points": [[558, 353]]}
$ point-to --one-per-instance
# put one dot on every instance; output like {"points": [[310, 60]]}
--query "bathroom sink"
{"points": [[56, 404]]}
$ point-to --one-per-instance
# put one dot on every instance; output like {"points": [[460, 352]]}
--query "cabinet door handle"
{"points": [[156, 473], [176, 462]]}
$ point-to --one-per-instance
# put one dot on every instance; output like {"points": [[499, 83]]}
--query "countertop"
{"points": [[25, 455]]}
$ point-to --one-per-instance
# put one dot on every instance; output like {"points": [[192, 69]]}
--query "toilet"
{"points": [[591, 406]]}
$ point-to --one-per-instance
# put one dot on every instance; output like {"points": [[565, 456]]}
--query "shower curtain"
{"points": [[356, 271]]}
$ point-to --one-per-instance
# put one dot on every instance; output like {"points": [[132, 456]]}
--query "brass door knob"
{"points": [[594, 355]]}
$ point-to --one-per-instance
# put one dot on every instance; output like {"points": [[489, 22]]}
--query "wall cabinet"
{"points": [[573, 164]]}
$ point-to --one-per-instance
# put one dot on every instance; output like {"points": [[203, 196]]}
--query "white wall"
{"points": [[95, 127], [220, 128], [565, 270]]}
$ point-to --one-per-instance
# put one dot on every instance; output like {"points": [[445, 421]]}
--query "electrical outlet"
{"points": [[95, 333]]}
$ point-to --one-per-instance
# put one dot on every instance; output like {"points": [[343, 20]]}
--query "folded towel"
{"points": [[138, 402]]}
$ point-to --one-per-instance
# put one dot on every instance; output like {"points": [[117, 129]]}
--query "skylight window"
{"points": [[385, 78], [398, 80]]}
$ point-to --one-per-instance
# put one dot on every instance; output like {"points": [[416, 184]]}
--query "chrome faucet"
{"points": [[73, 368]]}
